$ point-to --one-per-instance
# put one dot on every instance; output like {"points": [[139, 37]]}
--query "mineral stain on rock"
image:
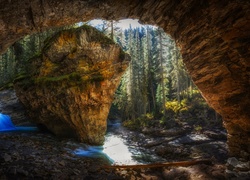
{"points": [[69, 87]]}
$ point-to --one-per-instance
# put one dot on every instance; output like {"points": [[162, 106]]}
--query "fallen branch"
{"points": [[157, 165]]}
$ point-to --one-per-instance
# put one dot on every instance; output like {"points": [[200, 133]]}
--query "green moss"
{"points": [[48, 41], [7, 86], [21, 77], [94, 35], [73, 79], [64, 81], [24, 82], [68, 77], [122, 55], [85, 27], [96, 78], [69, 80]]}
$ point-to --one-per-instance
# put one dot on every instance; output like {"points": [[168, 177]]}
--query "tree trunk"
{"points": [[162, 75]]}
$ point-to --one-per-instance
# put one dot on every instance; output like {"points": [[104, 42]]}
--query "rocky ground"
{"points": [[39, 155], [180, 144], [42, 156]]}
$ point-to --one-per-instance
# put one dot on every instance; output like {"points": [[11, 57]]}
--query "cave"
{"points": [[213, 37]]}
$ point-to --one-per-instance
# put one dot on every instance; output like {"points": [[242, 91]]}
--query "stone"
{"points": [[243, 166], [238, 169], [124, 172], [70, 85], [232, 161]]}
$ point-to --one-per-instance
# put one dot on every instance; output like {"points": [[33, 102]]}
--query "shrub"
{"points": [[145, 120]]}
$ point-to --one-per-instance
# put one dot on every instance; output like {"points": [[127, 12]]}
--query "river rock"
{"points": [[69, 87]]}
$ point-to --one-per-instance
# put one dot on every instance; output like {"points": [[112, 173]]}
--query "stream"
{"points": [[125, 147], [25, 151], [117, 148]]}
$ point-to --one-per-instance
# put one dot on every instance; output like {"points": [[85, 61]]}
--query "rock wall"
{"points": [[69, 87], [213, 36]]}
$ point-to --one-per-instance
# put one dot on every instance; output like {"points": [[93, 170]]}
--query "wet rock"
{"points": [[10, 105], [232, 161], [216, 150], [165, 132], [151, 143], [218, 135], [191, 139]]}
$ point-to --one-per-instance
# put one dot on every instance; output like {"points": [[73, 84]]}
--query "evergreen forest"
{"points": [[156, 89]]}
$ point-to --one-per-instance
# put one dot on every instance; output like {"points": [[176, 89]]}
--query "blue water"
{"points": [[6, 125], [93, 152], [114, 148]]}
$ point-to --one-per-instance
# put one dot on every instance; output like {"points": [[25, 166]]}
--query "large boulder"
{"points": [[69, 87]]}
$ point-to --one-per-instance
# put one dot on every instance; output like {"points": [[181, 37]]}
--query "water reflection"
{"points": [[117, 150], [114, 148]]}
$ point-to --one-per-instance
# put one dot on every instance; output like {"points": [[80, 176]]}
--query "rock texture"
{"points": [[213, 37], [69, 88], [11, 106]]}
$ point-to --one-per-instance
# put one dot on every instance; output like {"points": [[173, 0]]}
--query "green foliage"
{"points": [[155, 83], [176, 107], [198, 128], [7, 86], [122, 55], [146, 120], [24, 82], [16, 58]]}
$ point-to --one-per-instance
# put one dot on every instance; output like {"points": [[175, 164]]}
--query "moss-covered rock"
{"points": [[69, 86]]}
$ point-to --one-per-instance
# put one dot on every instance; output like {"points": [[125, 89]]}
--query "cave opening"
{"points": [[213, 37], [155, 91]]}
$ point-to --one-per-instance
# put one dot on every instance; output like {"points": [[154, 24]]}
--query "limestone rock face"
{"points": [[70, 85]]}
